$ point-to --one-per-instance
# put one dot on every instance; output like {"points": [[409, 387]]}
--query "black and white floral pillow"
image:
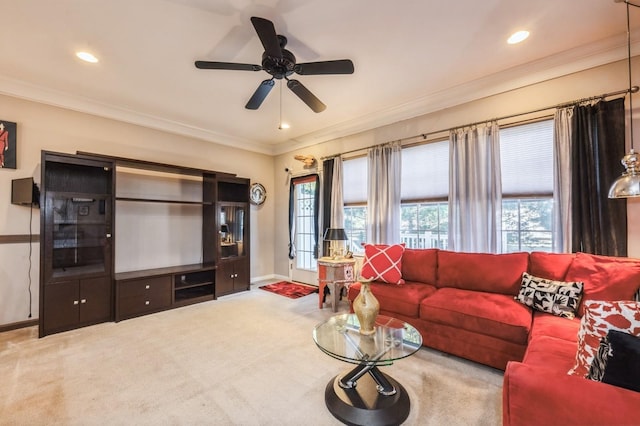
{"points": [[554, 297], [599, 363]]}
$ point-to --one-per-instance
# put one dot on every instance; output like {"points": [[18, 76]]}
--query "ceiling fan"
{"points": [[281, 63]]}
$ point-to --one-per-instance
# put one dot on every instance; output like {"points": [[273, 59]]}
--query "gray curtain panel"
{"points": [[475, 185]]}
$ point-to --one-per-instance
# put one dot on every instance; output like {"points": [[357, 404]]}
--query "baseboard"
{"points": [[269, 277], [17, 325]]}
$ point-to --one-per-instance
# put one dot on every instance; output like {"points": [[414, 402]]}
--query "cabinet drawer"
{"points": [[145, 287], [132, 306]]}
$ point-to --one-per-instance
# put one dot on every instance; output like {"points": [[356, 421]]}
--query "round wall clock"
{"points": [[257, 194]]}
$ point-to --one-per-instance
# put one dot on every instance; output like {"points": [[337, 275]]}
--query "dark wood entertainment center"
{"points": [[78, 282]]}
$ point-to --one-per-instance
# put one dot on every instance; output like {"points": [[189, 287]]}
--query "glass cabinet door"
{"points": [[232, 229], [79, 231]]}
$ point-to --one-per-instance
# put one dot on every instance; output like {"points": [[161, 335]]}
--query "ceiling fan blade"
{"points": [[307, 97], [208, 65], [260, 94], [340, 66], [267, 34]]}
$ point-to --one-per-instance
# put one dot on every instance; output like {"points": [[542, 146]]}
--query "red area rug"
{"points": [[289, 289]]}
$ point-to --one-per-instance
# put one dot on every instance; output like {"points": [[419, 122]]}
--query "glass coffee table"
{"points": [[365, 395]]}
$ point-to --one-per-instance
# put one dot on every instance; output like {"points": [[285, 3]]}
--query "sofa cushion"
{"points": [[550, 353], [598, 319], [420, 265], [404, 299], [553, 266], [557, 327], [491, 314], [494, 273], [383, 263], [605, 277], [554, 297]]}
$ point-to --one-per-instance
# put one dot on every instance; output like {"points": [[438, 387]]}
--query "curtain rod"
{"points": [[424, 136]]}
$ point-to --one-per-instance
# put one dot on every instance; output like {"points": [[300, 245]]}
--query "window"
{"points": [[526, 224], [354, 193], [425, 189], [526, 153], [355, 225], [425, 225]]}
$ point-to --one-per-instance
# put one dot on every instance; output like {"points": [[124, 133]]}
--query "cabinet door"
{"points": [[225, 278], [61, 305], [232, 218], [77, 235], [95, 300], [241, 276]]}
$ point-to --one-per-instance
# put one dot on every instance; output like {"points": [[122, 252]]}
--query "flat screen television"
{"points": [[24, 192]]}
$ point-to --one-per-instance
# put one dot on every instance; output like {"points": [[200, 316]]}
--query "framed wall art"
{"points": [[8, 144]]}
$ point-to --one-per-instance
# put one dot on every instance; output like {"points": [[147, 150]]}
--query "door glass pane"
{"points": [[79, 235], [305, 213]]}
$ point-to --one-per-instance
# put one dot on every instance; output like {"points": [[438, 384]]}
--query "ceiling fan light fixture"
{"points": [[87, 57], [280, 63], [518, 36]]}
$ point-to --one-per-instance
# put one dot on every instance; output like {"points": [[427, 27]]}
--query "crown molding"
{"points": [[563, 63], [22, 90]]}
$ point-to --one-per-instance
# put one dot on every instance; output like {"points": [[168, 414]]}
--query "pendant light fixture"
{"points": [[628, 185]]}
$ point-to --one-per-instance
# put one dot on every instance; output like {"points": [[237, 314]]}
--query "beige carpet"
{"points": [[246, 359]]}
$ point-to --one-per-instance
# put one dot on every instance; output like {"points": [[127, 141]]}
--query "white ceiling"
{"points": [[411, 57]]}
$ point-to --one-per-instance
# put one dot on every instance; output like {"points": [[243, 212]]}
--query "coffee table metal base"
{"points": [[363, 404]]}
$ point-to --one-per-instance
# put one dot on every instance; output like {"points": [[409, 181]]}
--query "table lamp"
{"points": [[333, 235]]}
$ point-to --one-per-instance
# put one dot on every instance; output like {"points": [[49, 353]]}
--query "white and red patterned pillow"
{"points": [[598, 319], [383, 263]]}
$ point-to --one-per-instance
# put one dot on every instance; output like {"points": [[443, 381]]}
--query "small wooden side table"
{"points": [[334, 274]]}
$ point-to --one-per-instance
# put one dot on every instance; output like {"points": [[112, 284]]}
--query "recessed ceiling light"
{"points": [[87, 57], [517, 37], [283, 126]]}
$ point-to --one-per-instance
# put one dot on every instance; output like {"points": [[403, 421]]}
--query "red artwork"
{"points": [[4, 143], [7, 145]]}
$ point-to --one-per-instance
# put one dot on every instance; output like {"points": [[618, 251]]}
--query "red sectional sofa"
{"points": [[463, 304]]}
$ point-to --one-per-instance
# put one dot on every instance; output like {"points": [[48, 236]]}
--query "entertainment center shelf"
{"points": [[150, 200], [152, 290], [118, 221]]}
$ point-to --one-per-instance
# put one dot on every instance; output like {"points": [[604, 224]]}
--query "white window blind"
{"points": [[526, 158], [425, 172], [354, 173]]}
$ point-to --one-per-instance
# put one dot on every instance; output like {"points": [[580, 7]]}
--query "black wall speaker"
{"points": [[25, 192]]}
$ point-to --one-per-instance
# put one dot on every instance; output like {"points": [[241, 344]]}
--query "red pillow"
{"points": [[552, 266], [605, 277], [598, 319], [493, 273], [420, 265], [383, 263]]}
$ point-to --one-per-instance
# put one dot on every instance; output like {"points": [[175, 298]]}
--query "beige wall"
{"points": [[42, 127], [588, 83]]}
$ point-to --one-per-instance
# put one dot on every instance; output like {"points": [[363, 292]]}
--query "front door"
{"points": [[304, 229]]}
